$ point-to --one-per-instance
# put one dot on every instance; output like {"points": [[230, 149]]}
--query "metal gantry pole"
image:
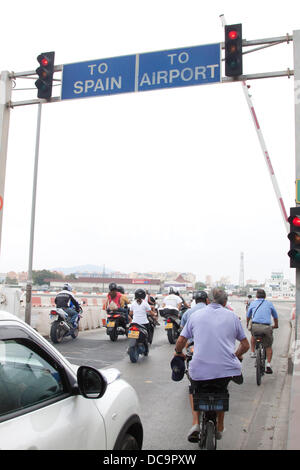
{"points": [[35, 174], [296, 36], [5, 97]]}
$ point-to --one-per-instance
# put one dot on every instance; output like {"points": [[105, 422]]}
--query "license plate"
{"points": [[133, 334], [111, 324], [168, 326]]}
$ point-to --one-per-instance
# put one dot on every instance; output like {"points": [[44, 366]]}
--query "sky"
{"points": [[164, 180]]}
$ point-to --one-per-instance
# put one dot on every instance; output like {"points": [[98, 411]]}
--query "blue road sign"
{"points": [[187, 66], [98, 77], [179, 67]]}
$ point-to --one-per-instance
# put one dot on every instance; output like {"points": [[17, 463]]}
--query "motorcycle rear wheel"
{"points": [[75, 333], [57, 332], [133, 353], [113, 334], [172, 335], [151, 333]]}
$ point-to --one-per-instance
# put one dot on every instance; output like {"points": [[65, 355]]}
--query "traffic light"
{"points": [[233, 50], [45, 72], [294, 237]]}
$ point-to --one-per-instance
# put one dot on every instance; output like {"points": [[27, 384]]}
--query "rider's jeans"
{"points": [[72, 314]]}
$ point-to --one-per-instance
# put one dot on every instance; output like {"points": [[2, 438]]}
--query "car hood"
{"points": [[110, 374]]}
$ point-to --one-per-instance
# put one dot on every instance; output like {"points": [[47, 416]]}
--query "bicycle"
{"points": [[260, 361], [209, 403]]}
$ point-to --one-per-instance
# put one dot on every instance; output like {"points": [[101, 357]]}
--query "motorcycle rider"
{"points": [[183, 302], [124, 302], [201, 300], [151, 301], [113, 301], [66, 300], [116, 300], [140, 308], [172, 301]]}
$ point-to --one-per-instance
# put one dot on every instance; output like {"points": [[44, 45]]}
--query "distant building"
{"points": [[208, 281], [101, 284], [277, 286], [180, 283], [12, 275], [251, 282]]}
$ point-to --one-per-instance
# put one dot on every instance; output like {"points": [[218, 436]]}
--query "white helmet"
{"points": [[68, 287]]}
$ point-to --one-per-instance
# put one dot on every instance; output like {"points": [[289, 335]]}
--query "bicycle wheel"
{"points": [[202, 433], [211, 442], [258, 364], [263, 360]]}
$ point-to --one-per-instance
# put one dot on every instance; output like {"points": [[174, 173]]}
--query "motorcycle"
{"points": [[172, 323], [139, 339], [61, 327], [189, 356], [116, 324]]}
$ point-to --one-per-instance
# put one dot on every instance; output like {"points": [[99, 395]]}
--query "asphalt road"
{"points": [[257, 417]]}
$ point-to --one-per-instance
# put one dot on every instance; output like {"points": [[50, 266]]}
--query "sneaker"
{"points": [[269, 370], [193, 435], [253, 355]]}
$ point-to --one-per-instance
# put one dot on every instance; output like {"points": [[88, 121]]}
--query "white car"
{"points": [[48, 403]]}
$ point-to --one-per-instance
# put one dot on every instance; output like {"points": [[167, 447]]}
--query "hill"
{"points": [[85, 268]]}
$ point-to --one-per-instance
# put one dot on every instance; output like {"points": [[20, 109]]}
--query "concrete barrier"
{"points": [[93, 316], [91, 319]]}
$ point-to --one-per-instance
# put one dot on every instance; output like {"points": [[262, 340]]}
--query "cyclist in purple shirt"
{"points": [[215, 330]]}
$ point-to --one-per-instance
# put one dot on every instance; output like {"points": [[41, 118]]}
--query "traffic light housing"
{"points": [[294, 237], [233, 50], [45, 72]]}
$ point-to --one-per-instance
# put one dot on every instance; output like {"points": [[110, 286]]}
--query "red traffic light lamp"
{"points": [[45, 73], [233, 50]]}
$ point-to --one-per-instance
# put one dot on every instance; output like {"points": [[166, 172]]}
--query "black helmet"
{"points": [[140, 294], [112, 286], [200, 295], [121, 289]]}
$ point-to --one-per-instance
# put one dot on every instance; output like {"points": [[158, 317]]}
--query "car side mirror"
{"points": [[91, 383]]}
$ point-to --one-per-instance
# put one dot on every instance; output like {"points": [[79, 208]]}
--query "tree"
{"points": [[200, 285], [42, 277], [10, 280]]}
